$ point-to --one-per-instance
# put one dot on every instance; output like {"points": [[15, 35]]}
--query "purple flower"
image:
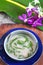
{"points": [[29, 13], [35, 17], [38, 22], [30, 20], [35, 9], [32, 13], [32, 17], [23, 17]]}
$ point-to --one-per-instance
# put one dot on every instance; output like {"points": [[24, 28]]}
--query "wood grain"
{"points": [[4, 28]]}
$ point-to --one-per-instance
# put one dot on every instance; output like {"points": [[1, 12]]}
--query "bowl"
{"points": [[19, 33]]}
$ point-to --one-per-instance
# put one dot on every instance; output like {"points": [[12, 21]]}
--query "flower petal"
{"points": [[37, 24], [24, 16], [27, 10], [29, 13], [20, 17], [34, 25], [30, 20], [25, 20], [39, 20], [35, 9]]}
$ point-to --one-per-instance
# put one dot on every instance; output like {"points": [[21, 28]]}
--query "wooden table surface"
{"points": [[4, 28]]}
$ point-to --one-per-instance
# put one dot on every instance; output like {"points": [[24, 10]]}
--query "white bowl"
{"points": [[31, 35]]}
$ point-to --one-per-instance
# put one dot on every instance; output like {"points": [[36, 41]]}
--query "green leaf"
{"points": [[23, 2], [14, 8], [40, 27], [11, 9]]}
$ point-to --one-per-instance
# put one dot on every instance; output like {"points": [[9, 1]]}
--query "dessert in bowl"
{"points": [[21, 45]]}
